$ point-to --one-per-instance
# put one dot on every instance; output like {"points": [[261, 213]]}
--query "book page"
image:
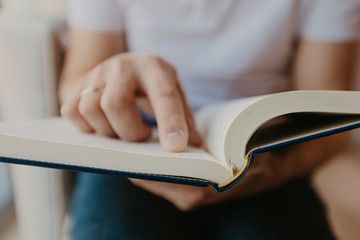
{"points": [[61, 131], [56, 141], [214, 121]]}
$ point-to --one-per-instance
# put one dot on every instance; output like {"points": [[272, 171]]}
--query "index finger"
{"points": [[161, 88]]}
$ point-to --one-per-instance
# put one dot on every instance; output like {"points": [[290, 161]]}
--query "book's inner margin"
{"points": [[297, 125]]}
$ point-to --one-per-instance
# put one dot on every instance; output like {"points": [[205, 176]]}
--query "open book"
{"points": [[233, 131]]}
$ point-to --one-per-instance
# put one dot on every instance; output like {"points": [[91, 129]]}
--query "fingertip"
{"points": [[175, 141]]}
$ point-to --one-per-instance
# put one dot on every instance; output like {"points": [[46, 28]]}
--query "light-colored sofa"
{"points": [[5, 185], [31, 37], [30, 56]]}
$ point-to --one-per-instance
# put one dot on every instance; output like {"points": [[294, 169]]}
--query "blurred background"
{"points": [[33, 201]]}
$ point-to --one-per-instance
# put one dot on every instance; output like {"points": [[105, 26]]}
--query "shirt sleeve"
{"points": [[331, 20], [98, 15]]}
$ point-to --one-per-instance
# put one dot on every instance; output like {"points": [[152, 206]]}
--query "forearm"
{"points": [[318, 65], [324, 66]]}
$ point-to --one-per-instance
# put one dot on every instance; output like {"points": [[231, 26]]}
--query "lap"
{"points": [[110, 207]]}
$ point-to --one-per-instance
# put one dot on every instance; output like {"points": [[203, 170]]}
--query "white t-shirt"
{"points": [[222, 49]]}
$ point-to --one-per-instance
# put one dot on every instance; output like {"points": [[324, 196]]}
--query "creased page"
{"points": [[214, 121]]}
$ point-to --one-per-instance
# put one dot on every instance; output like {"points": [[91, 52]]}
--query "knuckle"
{"points": [[68, 112], [115, 103], [186, 206], [171, 69], [192, 201], [107, 104], [95, 74], [153, 59], [87, 108], [175, 120], [123, 65], [150, 61], [167, 91], [198, 197], [98, 69], [161, 63]]}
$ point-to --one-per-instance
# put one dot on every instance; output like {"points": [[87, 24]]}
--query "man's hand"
{"points": [[266, 172], [104, 101]]}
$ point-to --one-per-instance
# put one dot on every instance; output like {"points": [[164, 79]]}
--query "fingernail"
{"points": [[175, 141]]}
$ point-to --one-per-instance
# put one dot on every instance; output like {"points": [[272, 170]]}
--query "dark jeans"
{"points": [[110, 207]]}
